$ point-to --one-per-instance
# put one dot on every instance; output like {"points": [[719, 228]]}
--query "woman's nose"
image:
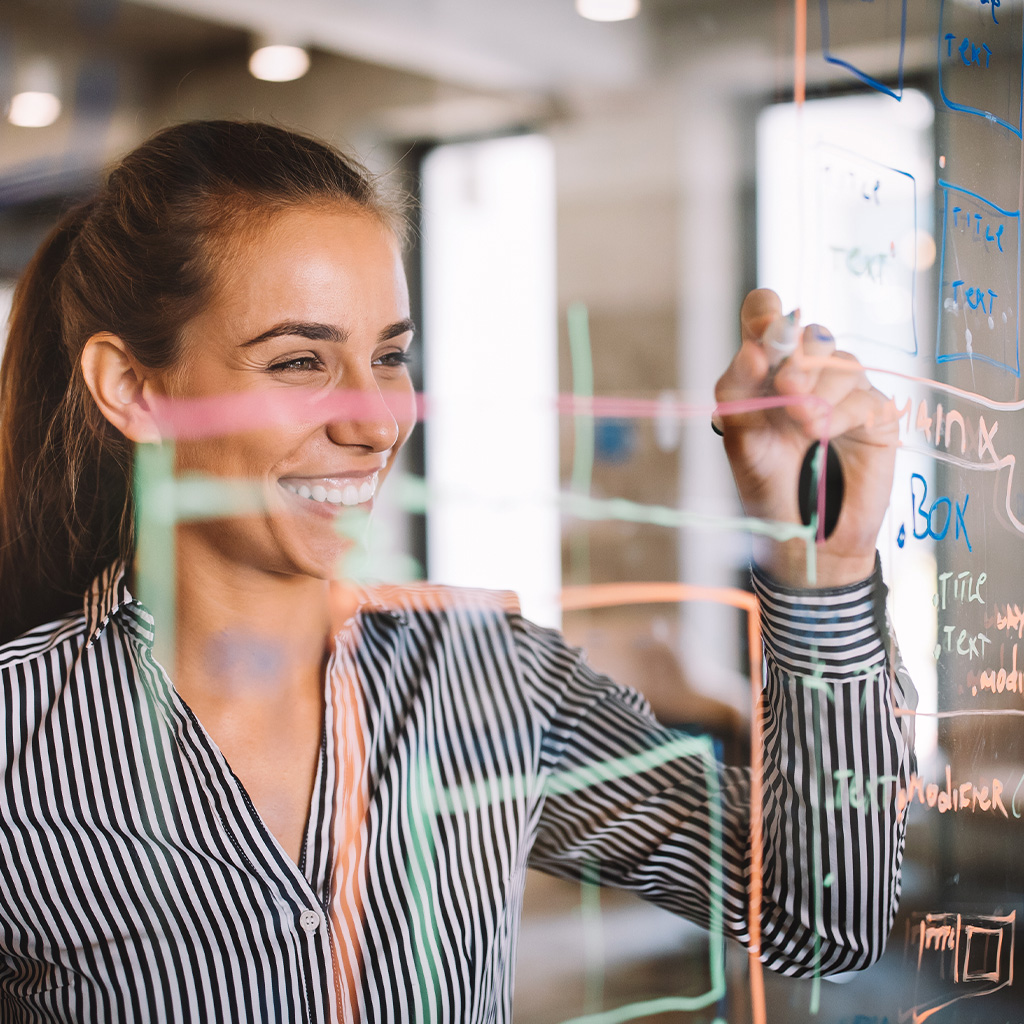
{"points": [[361, 416]]}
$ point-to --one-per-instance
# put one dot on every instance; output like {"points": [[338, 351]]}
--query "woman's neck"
{"points": [[242, 635]]}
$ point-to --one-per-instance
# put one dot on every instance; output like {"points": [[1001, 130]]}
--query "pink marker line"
{"points": [[219, 415]]}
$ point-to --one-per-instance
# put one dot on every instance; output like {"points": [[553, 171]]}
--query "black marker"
{"points": [[780, 341]]}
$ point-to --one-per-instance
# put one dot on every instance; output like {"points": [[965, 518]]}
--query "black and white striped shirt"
{"points": [[461, 744]]}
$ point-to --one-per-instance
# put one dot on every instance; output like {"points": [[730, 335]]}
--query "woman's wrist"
{"points": [[787, 563]]}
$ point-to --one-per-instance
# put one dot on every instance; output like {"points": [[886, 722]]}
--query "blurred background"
{"points": [[595, 187]]}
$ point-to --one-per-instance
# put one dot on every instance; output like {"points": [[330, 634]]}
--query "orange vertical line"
{"points": [[757, 1004], [800, 54]]}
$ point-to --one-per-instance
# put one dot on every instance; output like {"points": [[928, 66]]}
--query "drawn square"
{"points": [[978, 311], [980, 67], [865, 281], [983, 952], [842, 20]]}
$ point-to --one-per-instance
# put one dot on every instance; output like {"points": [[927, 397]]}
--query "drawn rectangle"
{"points": [[978, 309], [980, 66], [864, 281], [983, 953], [959, 956], [842, 21]]}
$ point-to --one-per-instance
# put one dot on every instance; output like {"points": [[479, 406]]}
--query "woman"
{"points": [[325, 809]]}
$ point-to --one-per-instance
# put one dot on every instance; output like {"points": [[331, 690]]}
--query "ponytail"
{"points": [[64, 475]]}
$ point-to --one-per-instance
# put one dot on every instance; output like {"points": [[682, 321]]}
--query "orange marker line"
{"points": [[800, 54], [605, 595]]}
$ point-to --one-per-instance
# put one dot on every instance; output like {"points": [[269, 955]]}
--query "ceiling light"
{"points": [[279, 63], [36, 99], [608, 10], [33, 109]]}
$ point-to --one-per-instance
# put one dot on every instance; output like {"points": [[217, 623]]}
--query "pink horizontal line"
{"points": [[217, 415]]}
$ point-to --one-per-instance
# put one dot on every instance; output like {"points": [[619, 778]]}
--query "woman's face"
{"points": [[312, 303]]}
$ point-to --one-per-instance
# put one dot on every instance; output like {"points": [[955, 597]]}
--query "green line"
{"points": [[648, 1008], [663, 515], [460, 800], [817, 799], [155, 489], [422, 885], [354, 563], [583, 433], [582, 388], [473, 796], [716, 856], [593, 938], [168, 501], [414, 494], [615, 768]]}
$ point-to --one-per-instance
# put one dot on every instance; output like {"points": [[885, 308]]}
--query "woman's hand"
{"points": [[766, 447]]}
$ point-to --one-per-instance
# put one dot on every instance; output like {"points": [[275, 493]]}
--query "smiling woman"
{"points": [[316, 301], [195, 246], [302, 800]]}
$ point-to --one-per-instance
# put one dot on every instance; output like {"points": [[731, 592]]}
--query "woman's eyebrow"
{"points": [[395, 330], [315, 331], [300, 329]]}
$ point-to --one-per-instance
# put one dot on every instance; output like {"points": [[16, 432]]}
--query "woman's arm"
{"points": [[651, 811], [645, 808]]}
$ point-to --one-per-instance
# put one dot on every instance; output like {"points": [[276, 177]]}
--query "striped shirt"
{"points": [[461, 744]]}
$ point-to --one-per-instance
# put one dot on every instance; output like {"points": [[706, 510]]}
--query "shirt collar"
{"points": [[107, 595]]}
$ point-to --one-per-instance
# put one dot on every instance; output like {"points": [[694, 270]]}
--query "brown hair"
{"points": [[137, 260]]}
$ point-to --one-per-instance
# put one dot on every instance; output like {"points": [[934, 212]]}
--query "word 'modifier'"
{"points": [[967, 796]]}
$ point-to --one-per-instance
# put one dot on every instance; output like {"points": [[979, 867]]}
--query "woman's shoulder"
{"points": [[39, 642], [77, 628]]}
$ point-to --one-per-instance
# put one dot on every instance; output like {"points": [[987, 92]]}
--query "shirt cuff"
{"points": [[830, 633]]}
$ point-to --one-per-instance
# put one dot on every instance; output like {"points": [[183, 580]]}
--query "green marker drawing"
{"points": [[583, 431]]}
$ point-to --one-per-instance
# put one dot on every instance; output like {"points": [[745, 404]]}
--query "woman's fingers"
{"points": [[864, 416], [747, 376], [801, 372], [843, 398], [743, 380], [832, 393], [759, 309]]}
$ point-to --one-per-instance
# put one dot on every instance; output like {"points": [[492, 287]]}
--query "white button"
{"points": [[309, 920]]}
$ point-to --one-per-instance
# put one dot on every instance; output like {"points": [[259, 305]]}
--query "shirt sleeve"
{"points": [[630, 803]]}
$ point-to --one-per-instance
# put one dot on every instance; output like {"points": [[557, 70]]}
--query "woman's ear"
{"points": [[119, 387]]}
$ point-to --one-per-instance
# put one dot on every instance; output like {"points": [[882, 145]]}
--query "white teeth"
{"points": [[347, 494]]}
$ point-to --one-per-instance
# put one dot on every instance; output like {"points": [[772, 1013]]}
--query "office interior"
{"points": [[602, 180]]}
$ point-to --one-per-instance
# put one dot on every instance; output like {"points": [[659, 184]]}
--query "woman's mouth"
{"points": [[333, 491]]}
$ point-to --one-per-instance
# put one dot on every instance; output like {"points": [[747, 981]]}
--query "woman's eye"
{"points": [[397, 358], [297, 363]]}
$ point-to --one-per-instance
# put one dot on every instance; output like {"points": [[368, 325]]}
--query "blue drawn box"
{"points": [[980, 66], [841, 20], [864, 282], [978, 312]]}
